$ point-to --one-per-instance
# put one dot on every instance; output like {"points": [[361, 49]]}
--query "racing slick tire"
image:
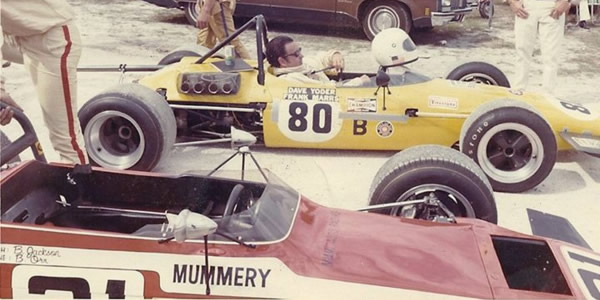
{"points": [[512, 143], [127, 127], [380, 15], [4, 142], [191, 14], [183, 51], [431, 170], [479, 72], [176, 56]]}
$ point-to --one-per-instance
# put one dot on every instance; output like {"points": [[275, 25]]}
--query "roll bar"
{"points": [[261, 39]]}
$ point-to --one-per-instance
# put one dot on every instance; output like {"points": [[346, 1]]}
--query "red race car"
{"points": [[77, 232]]}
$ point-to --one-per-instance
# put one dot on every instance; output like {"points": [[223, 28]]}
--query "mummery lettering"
{"points": [[219, 275]]}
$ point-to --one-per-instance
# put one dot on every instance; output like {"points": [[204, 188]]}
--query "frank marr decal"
{"points": [[310, 94], [220, 275]]}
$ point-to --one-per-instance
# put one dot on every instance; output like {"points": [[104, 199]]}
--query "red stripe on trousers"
{"points": [[67, 94]]}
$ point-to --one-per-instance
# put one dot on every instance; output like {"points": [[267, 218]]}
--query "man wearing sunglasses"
{"points": [[285, 56]]}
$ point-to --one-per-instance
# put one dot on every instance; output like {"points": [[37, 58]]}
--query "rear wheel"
{"points": [[185, 50], [486, 9], [514, 145], [437, 180], [479, 72], [128, 127], [380, 15], [176, 56], [191, 14]]}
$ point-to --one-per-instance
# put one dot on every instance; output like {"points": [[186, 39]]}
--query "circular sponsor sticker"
{"points": [[385, 129]]}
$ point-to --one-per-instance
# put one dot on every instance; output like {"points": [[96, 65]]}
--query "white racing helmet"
{"points": [[393, 47]]}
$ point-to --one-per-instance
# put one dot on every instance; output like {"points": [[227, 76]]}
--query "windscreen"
{"points": [[263, 218], [530, 265]]}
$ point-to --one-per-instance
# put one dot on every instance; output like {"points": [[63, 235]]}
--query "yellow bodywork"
{"points": [[324, 116]]}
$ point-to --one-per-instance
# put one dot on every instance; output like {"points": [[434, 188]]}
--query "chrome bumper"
{"points": [[457, 15]]}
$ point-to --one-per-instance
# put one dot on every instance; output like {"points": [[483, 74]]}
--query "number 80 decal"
{"points": [[309, 121]]}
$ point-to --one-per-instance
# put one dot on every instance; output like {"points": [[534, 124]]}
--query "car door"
{"points": [[251, 8], [317, 11]]}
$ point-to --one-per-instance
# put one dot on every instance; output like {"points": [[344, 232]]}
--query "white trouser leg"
{"points": [[551, 39], [584, 11], [51, 59], [525, 39]]}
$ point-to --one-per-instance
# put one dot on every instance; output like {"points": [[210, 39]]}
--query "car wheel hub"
{"points": [[479, 78], [382, 18], [114, 140], [451, 198], [510, 153]]}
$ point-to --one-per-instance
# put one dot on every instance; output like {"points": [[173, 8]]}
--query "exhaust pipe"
{"points": [[198, 87], [185, 86]]}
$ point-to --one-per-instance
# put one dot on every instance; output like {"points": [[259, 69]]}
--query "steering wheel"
{"points": [[234, 198], [232, 202]]}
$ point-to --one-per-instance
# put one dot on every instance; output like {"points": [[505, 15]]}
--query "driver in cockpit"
{"points": [[285, 56], [391, 48]]}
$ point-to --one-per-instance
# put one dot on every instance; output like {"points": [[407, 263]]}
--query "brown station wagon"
{"points": [[371, 15]]}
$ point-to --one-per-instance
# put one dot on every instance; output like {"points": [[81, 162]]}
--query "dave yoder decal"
{"points": [[219, 275], [310, 94]]}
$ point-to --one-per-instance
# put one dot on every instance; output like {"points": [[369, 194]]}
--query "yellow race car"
{"points": [[514, 136]]}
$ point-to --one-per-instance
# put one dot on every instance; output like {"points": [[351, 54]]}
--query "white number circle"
{"points": [[309, 121]]}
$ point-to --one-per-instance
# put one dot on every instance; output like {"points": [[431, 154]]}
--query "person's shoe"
{"points": [[583, 24]]}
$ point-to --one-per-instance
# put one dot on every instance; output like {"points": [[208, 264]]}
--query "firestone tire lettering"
{"points": [[486, 138]]}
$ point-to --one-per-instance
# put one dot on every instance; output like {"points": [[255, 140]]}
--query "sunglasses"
{"points": [[296, 53]]}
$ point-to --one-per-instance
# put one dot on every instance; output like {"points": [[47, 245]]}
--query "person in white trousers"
{"points": [[584, 14], [546, 19], [44, 32]]}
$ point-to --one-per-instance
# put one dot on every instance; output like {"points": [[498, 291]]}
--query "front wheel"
{"points": [[514, 145], [479, 72], [438, 180], [380, 15], [127, 127]]}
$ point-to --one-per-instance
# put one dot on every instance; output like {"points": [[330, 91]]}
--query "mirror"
{"points": [[189, 225], [240, 138], [382, 79]]}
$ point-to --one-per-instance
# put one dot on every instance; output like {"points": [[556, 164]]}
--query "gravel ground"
{"points": [[135, 32]]}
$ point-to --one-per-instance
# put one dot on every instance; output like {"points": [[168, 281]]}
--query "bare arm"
{"points": [[7, 113], [518, 9], [560, 7], [205, 13]]}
